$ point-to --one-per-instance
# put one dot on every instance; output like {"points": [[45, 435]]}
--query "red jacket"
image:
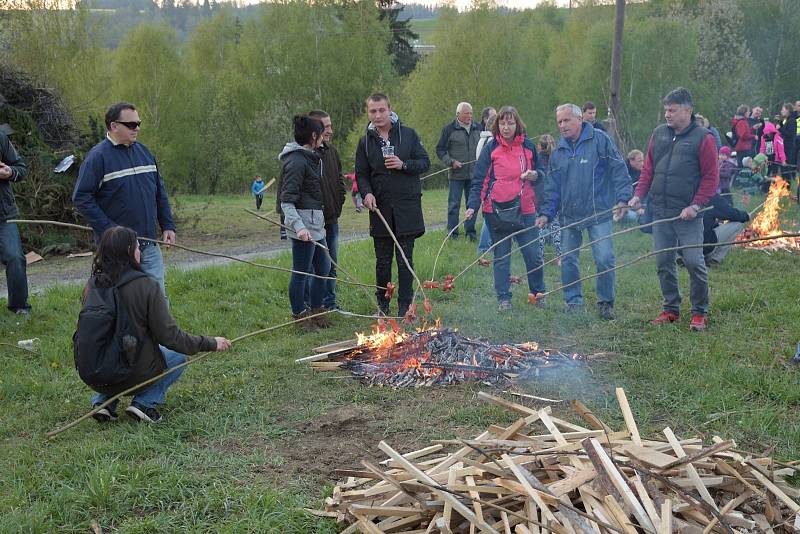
{"points": [[508, 161], [744, 134]]}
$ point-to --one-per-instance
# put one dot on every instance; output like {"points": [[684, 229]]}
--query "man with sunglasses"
{"points": [[119, 185]]}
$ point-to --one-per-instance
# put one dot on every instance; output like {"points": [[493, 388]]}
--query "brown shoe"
{"points": [[306, 324], [321, 321]]}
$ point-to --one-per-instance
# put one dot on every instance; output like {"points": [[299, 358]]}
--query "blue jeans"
{"points": [[603, 252], [152, 263], [531, 253], [307, 258], [485, 241], [16, 267], [156, 392], [458, 189], [332, 239]]}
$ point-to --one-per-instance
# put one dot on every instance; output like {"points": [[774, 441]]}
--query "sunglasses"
{"points": [[131, 125]]}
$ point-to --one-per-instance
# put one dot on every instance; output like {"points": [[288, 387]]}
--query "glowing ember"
{"points": [[767, 223]]}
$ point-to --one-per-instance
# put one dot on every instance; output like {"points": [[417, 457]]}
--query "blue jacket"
{"points": [[120, 185], [258, 187], [585, 178]]}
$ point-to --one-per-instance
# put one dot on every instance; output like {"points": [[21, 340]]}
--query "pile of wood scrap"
{"points": [[543, 474]]}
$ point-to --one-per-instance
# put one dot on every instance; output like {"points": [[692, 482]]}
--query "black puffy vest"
{"points": [[676, 169]]}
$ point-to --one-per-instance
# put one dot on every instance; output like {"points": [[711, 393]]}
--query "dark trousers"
{"points": [[16, 267], [384, 252], [259, 200], [458, 189]]}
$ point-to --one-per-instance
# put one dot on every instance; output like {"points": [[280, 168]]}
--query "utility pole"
{"points": [[616, 64]]}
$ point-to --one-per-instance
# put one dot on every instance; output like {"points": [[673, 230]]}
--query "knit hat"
{"points": [[725, 151]]}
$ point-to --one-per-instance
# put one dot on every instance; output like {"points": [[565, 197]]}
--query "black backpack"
{"points": [[104, 343]]}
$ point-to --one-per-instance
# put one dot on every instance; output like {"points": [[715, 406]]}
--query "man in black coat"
{"points": [[12, 169], [389, 159]]}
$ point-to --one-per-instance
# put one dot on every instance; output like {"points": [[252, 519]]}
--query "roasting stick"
{"points": [[320, 245], [99, 407], [194, 250], [541, 236], [444, 241], [669, 249], [440, 171], [609, 236]]}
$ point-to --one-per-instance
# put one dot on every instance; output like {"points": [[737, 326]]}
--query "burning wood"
{"points": [[767, 223], [562, 477], [428, 357]]}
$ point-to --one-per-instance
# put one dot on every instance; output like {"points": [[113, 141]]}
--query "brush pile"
{"points": [[543, 474], [440, 357]]}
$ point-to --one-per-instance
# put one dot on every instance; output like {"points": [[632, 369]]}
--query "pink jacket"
{"points": [[778, 154], [509, 161]]}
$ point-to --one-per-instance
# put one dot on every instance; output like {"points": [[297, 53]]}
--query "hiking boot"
{"points": [[105, 415], [573, 308], [698, 323], [504, 306], [23, 313], [665, 317], [606, 310], [321, 321], [402, 309], [142, 413]]}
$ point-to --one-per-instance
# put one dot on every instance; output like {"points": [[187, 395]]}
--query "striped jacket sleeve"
{"points": [[85, 194]]}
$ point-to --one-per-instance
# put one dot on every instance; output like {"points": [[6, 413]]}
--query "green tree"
{"points": [[404, 57]]}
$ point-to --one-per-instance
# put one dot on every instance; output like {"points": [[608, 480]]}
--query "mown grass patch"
{"points": [[249, 437]]}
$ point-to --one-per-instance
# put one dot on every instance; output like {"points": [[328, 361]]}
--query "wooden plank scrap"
{"points": [[447, 497], [619, 482], [627, 414], [690, 469]]}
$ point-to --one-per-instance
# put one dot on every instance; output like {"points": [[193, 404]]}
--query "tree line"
{"points": [[217, 98]]}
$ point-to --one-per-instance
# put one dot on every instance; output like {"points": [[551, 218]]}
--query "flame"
{"points": [[767, 222], [381, 338]]}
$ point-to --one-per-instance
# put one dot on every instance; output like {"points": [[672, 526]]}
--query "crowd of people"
{"points": [[525, 189]]}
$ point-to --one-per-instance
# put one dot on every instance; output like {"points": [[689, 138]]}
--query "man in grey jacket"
{"points": [[456, 149], [12, 169]]}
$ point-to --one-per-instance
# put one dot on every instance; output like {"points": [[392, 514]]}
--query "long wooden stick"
{"points": [[194, 250], [609, 236], [99, 407], [541, 236], [400, 251], [669, 249], [323, 247]]}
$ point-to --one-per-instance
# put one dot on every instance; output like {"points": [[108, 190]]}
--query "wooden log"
{"points": [[589, 417]]}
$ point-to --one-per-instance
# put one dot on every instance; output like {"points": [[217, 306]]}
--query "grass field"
{"points": [[219, 220], [249, 438]]}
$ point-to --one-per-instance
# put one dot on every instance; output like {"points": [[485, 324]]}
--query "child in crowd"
{"points": [[357, 201]]}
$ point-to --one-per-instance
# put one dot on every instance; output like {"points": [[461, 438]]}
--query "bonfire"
{"points": [[767, 223], [432, 355]]}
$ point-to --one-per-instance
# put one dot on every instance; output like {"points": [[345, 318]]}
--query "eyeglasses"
{"points": [[131, 125]]}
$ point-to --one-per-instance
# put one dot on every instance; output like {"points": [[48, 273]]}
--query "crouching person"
{"points": [[126, 334]]}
